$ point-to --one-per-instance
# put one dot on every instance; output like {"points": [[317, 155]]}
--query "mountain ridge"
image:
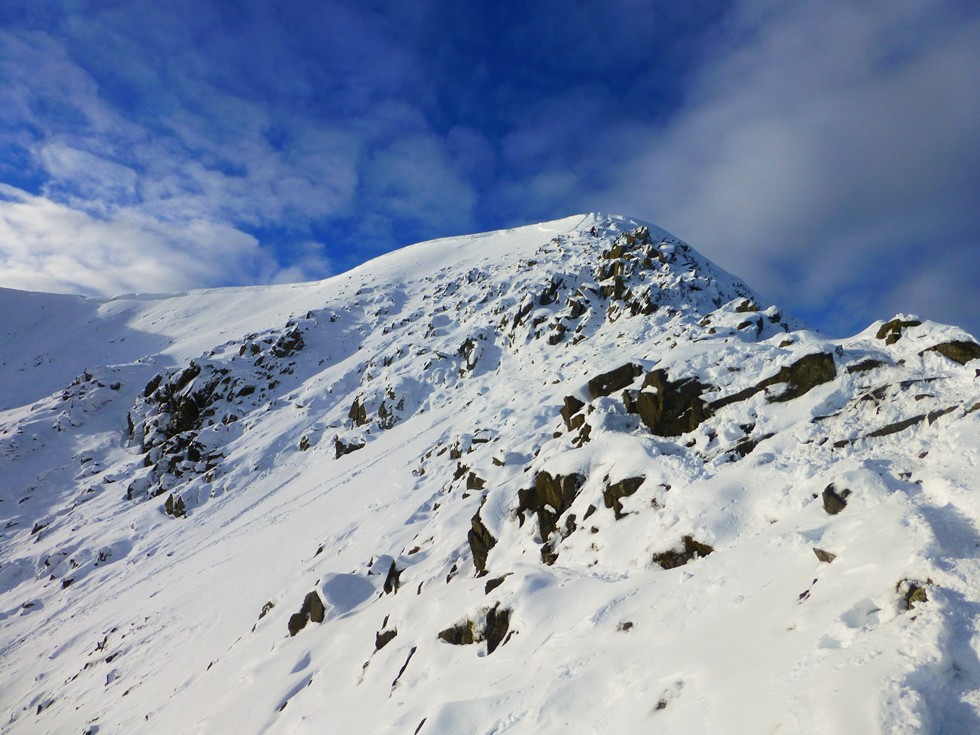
{"points": [[361, 502]]}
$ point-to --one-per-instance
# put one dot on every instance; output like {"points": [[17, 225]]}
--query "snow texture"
{"points": [[570, 477]]}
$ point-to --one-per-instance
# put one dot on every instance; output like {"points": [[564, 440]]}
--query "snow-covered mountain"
{"points": [[570, 477]]}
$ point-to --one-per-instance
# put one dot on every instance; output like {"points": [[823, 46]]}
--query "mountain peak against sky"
{"points": [[566, 477]]}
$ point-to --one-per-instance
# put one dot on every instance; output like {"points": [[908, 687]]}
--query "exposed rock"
{"points": [[549, 499], [614, 493], [481, 541], [358, 413], [304, 443], [912, 591], [494, 583], [865, 365], [746, 305], [570, 413], [688, 551], [824, 556], [745, 447], [312, 609], [343, 448], [960, 351], [382, 639], [496, 628], [288, 343], [475, 482], [891, 331], [833, 501], [614, 380], [393, 580], [671, 408], [461, 634], [896, 427], [800, 377]]}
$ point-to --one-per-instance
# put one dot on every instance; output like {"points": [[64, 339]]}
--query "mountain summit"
{"points": [[566, 477]]}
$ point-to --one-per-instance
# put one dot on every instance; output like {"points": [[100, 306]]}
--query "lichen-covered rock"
{"points": [[689, 550], [461, 634], [961, 351]]}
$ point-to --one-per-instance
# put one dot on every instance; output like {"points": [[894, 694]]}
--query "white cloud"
{"points": [[47, 246]]}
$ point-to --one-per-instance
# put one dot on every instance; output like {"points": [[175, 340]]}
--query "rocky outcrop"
{"points": [[688, 551], [481, 541], [891, 331], [671, 408], [961, 351], [614, 380], [613, 494], [834, 500], [800, 377], [550, 497], [312, 609]]}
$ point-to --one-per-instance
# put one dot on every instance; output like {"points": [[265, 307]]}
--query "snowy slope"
{"points": [[571, 476]]}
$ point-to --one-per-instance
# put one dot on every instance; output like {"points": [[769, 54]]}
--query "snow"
{"points": [[115, 616]]}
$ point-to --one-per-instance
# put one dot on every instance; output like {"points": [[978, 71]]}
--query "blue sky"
{"points": [[826, 151]]}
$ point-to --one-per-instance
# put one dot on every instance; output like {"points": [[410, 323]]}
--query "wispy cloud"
{"points": [[827, 140]]}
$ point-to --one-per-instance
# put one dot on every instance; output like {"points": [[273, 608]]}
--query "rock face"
{"points": [[688, 551], [961, 351], [550, 497], [312, 609], [671, 408]]}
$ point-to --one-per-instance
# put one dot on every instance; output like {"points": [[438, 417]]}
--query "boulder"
{"points": [[671, 408], [961, 351], [614, 380], [689, 551]]}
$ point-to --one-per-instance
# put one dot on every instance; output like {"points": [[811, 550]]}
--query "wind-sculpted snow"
{"points": [[570, 477]]}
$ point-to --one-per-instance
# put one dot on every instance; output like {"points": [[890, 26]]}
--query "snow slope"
{"points": [[736, 525]]}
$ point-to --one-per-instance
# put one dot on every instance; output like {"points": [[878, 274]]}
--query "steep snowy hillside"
{"points": [[565, 478]]}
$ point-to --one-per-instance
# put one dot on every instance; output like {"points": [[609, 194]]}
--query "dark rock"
{"points": [[833, 501], [824, 556], [689, 551], [481, 541], [913, 591], [393, 580], [461, 634], [312, 609], [864, 366], [496, 628], [745, 447], [475, 482], [746, 305], [297, 621], [358, 413], [382, 639], [304, 443], [804, 374], [614, 380], [404, 666], [896, 427], [613, 494], [494, 583], [891, 331], [288, 343], [343, 448], [570, 412], [960, 351], [549, 499], [672, 408]]}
